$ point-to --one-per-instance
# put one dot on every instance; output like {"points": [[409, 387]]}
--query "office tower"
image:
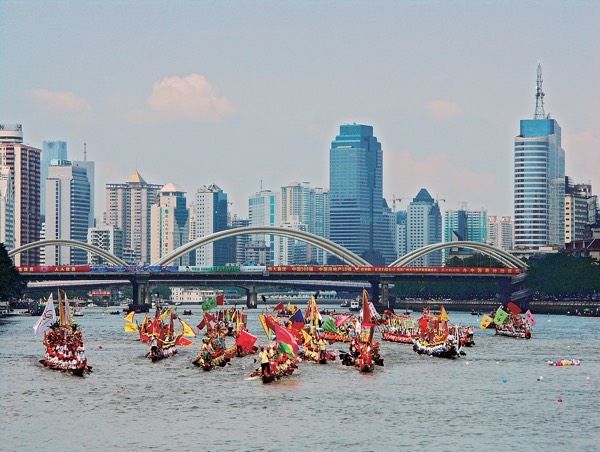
{"points": [[108, 238], [210, 216], [128, 208], [322, 223], [263, 210], [239, 243], [289, 251], [539, 181], [424, 227], [51, 151], [500, 232], [465, 224], [24, 164], [67, 212], [7, 209], [357, 219], [401, 233], [169, 219], [304, 206], [91, 175], [580, 209]]}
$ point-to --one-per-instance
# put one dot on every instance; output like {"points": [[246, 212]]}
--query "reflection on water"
{"points": [[414, 402]]}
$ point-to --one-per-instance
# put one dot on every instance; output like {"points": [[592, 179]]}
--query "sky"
{"points": [[250, 94]]}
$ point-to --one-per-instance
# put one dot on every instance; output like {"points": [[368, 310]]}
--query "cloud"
{"points": [[190, 97], [61, 102], [442, 110], [581, 151]]}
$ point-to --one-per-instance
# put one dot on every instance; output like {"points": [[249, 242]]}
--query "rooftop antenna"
{"points": [[84, 151], [539, 96]]}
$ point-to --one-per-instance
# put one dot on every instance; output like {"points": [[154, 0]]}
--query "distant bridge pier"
{"points": [[379, 304], [141, 295], [251, 298], [386, 301]]}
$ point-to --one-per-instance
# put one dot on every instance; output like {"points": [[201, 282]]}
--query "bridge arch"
{"points": [[500, 255], [323, 243], [73, 244]]}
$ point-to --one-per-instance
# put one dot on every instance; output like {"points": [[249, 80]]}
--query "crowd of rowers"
{"points": [[64, 348]]}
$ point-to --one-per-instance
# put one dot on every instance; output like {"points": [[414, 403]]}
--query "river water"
{"points": [[492, 399]]}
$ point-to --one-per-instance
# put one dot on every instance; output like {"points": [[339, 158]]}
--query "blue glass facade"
{"points": [[539, 185], [357, 219]]}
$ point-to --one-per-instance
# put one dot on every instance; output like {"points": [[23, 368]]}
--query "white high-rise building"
{"points": [[424, 227], [210, 216], [67, 212], [108, 238], [128, 208], [7, 209], [264, 210], [169, 223], [500, 232]]}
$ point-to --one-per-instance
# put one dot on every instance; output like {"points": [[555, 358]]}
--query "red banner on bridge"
{"points": [[394, 270]]}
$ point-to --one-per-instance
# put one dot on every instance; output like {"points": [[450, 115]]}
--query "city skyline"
{"points": [[267, 85]]}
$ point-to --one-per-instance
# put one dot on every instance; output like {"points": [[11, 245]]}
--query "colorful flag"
{"points": [[209, 304], [263, 322], [341, 320], [281, 334], [129, 316], [530, 318], [366, 321], [279, 306], [47, 318], [68, 313], [220, 299], [246, 340], [187, 330], [329, 325], [443, 315], [184, 342], [297, 320], [286, 349], [485, 322], [500, 316], [513, 308], [131, 328]]}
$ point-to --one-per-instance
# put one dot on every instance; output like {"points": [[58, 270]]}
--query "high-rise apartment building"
{"points": [[357, 219], [239, 243], [500, 232], [7, 209], [264, 209], [24, 164], [51, 151], [108, 238], [90, 167], [169, 223], [539, 181], [67, 191], [465, 224], [580, 209], [401, 233], [128, 208], [210, 216], [424, 227]]}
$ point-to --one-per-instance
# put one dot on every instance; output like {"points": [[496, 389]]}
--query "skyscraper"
{"points": [[89, 165], [7, 209], [24, 164], [357, 219], [465, 224], [539, 180], [108, 238], [424, 227], [264, 209], [210, 216], [128, 208], [169, 224], [580, 209], [67, 212], [51, 150], [501, 232]]}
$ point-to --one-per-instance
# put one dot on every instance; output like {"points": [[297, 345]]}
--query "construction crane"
{"points": [[394, 199]]}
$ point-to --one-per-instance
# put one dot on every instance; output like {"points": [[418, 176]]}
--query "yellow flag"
{"points": [[485, 321], [129, 316], [307, 337], [131, 328], [443, 315], [166, 314], [261, 317], [187, 330]]}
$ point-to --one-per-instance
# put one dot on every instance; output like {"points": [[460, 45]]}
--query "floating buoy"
{"points": [[100, 347], [559, 400], [504, 380], [467, 363], [540, 378], [587, 379]]}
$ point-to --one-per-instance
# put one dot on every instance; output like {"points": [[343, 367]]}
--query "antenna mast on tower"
{"points": [[539, 96]]}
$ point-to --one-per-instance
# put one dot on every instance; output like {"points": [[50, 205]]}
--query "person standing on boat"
{"points": [[154, 346], [322, 348], [263, 355]]}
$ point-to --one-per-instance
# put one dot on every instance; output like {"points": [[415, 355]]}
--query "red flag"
{"points": [[513, 308], [423, 326], [220, 300], [279, 307], [281, 334], [183, 341], [245, 340], [210, 317]]}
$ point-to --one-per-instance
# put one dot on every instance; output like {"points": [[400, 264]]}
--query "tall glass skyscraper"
{"points": [[358, 219], [424, 227], [539, 181]]}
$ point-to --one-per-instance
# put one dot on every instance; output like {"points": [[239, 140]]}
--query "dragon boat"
{"points": [[564, 363], [513, 323], [63, 339], [435, 338], [400, 328], [282, 366]]}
